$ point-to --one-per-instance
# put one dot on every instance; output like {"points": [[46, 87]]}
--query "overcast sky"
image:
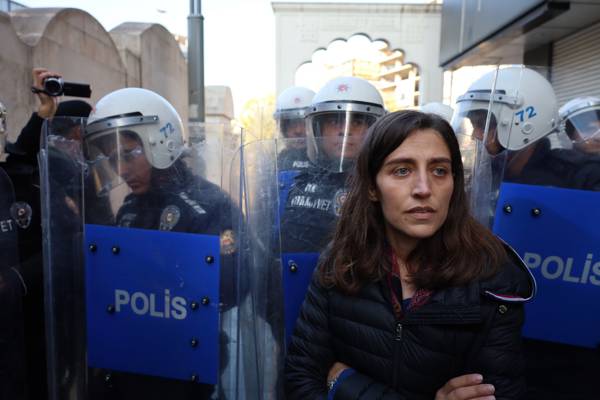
{"points": [[239, 45]]}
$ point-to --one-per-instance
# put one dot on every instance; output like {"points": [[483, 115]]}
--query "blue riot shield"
{"points": [[144, 295], [298, 269], [555, 232], [137, 295]]}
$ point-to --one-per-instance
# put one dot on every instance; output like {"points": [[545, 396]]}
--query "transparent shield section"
{"points": [[62, 171], [468, 151], [482, 122], [142, 276], [292, 154], [213, 165], [335, 138], [290, 127], [310, 203], [483, 156], [260, 328]]}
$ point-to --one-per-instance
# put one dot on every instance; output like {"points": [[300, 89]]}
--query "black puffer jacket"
{"points": [[470, 329]]}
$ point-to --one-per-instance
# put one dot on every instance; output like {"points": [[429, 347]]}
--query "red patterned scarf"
{"points": [[420, 297]]}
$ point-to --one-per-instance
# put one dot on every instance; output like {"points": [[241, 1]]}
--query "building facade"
{"points": [[407, 73]]}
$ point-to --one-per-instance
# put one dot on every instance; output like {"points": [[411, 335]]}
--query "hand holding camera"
{"points": [[48, 104], [49, 85]]}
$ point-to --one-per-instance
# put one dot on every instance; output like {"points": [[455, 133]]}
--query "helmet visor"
{"points": [[115, 157], [337, 137], [476, 127], [476, 120], [584, 126], [291, 128]]}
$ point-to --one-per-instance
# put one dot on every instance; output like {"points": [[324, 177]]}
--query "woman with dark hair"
{"points": [[413, 299]]}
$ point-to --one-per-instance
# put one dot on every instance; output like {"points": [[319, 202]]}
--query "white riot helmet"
{"points": [[439, 109], [290, 111], [141, 115], [580, 119], [521, 103], [340, 114], [2, 128]]}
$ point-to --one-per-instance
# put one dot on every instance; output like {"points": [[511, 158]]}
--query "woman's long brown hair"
{"points": [[461, 251]]}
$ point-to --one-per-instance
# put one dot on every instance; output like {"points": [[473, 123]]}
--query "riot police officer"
{"points": [[148, 158], [153, 327], [521, 184], [530, 159], [12, 289], [337, 120], [291, 108], [580, 118], [311, 199]]}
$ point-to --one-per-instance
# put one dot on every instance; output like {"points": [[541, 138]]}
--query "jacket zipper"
{"points": [[398, 336], [395, 360]]}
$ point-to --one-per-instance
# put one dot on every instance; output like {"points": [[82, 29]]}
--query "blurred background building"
{"points": [[561, 37], [395, 46]]}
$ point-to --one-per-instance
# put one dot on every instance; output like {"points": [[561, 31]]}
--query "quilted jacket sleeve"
{"points": [[362, 387], [309, 354], [500, 359]]}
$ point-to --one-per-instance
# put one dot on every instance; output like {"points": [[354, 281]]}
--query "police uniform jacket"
{"points": [[565, 168], [312, 207], [201, 207], [470, 329]]}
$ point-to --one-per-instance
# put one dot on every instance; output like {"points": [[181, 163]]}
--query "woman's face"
{"points": [[414, 187]]}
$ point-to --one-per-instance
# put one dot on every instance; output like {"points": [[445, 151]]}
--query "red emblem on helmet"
{"points": [[343, 88], [297, 100]]}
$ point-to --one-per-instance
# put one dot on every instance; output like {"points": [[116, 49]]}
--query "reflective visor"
{"points": [[110, 154], [472, 119], [338, 137], [291, 128], [584, 126]]}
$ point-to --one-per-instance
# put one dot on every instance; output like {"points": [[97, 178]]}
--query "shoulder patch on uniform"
{"points": [[192, 203], [169, 218], [21, 213], [228, 244], [338, 201]]}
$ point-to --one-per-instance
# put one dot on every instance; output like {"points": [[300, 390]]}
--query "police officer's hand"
{"points": [[466, 387], [48, 104]]}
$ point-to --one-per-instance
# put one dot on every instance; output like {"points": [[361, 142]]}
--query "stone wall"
{"points": [[153, 60], [74, 43]]}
